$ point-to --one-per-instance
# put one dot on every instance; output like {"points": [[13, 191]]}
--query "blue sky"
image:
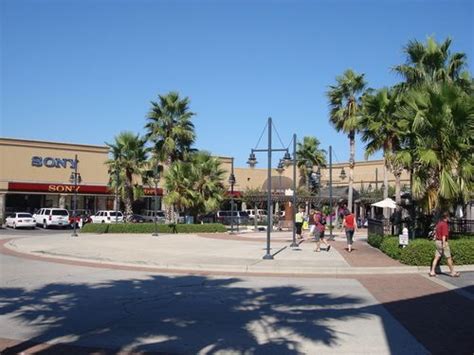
{"points": [[81, 71]]}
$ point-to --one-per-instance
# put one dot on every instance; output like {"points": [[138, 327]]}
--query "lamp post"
{"points": [[252, 161], [232, 183], [76, 179], [156, 180], [330, 193]]}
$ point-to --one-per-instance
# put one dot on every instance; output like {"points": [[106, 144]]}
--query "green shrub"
{"points": [[390, 247], [375, 240], [150, 228], [462, 251], [418, 252]]}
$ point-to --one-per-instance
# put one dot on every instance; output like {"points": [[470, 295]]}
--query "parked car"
{"points": [[135, 218], [81, 214], [237, 217], [47, 217], [20, 220], [149, 216], [107, 216]]}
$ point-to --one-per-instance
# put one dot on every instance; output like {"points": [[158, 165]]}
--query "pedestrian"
{"points": [[311, 223], [442, 246], [299, 218], [320, 222], [350, 228]]}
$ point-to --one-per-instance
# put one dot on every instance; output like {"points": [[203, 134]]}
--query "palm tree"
{"points": [[170, 131], [381, 130], [440, 146], [308, 152], [433, 63], [195, 186], [345, 104], [128, 159]]}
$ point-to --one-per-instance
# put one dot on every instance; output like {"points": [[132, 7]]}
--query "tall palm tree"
{"points": [[169, 128], [170, 131], [128, 159], [433, 63], [382, 130], [345, 104], [308, 152]]}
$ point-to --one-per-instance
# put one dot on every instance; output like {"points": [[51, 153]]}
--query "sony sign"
{"points": [[53, 162]]}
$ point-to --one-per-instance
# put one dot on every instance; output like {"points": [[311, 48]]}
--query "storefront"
{"points": [[35, 174]]}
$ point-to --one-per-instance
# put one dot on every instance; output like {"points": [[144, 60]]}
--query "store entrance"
{"points": [[23, 203]]}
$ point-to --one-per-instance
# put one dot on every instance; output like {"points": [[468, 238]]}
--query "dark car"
{"points": [[136, 218]]}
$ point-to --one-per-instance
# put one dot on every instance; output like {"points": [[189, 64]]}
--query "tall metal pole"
{"points": [[74, 234], [293, 208], [330, 193], [155, 180], [269, 190], [116, 194], [232, 196]]}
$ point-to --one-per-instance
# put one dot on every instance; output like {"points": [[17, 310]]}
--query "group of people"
{"points": [[317, 227]]}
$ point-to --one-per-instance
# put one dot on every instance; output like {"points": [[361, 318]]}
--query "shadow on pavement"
{"points": [[188, 314], [183, 314]]}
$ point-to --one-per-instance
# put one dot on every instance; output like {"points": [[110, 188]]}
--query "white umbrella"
{"points": [[386, 203]]}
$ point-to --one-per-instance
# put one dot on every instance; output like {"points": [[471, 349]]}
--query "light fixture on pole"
{"points": [[252, 161], [342, 175], [232, 183], [156, 180], [75, 179]]}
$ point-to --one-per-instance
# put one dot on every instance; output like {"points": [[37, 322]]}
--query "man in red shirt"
{"points": [[442, 246]]}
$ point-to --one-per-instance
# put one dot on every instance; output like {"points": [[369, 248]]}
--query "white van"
{"points": [[261, 214], [48, 217], [149, 216]]}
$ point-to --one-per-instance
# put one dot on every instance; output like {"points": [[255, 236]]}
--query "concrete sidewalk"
{"points": [[219, 254]]}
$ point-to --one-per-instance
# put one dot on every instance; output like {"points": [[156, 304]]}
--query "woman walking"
{"points": [[350, 228], [299, 218]]}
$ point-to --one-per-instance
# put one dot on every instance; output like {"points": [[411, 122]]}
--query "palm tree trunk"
{"points": [[128, 195], [398, 197], [351, 170]]}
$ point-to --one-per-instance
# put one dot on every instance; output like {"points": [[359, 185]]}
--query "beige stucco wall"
{"points": [[16, 162]]}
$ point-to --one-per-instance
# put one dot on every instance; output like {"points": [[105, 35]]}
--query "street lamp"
{"points": [[117, 202], [156, 180], [75, 179], [252, 161], [232, 183], [342, 175]]}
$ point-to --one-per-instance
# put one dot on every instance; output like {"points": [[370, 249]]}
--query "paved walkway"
{"points": [[213, 254]]}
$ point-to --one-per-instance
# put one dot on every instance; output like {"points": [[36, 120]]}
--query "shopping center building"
{"points": [[36, 174]]}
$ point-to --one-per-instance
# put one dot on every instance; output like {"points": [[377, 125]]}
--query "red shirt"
{"points": [[318, 217], [442, 230], [349, 221]]}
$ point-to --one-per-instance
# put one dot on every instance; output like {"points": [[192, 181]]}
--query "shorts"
{"points": [[349, 236], [298, 226], [318, 234], [440, 251]]}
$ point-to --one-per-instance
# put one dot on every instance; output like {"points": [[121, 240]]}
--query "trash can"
{"points": [[189, 219]]}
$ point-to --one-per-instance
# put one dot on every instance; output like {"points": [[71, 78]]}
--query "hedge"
{"points": [[420, 252], [150, 228]]}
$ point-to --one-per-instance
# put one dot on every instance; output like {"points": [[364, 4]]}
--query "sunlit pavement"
{"points": [[52, 303]]}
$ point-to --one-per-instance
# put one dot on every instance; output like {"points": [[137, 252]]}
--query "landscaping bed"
{"points": [[420, 252], [149, 228]]}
